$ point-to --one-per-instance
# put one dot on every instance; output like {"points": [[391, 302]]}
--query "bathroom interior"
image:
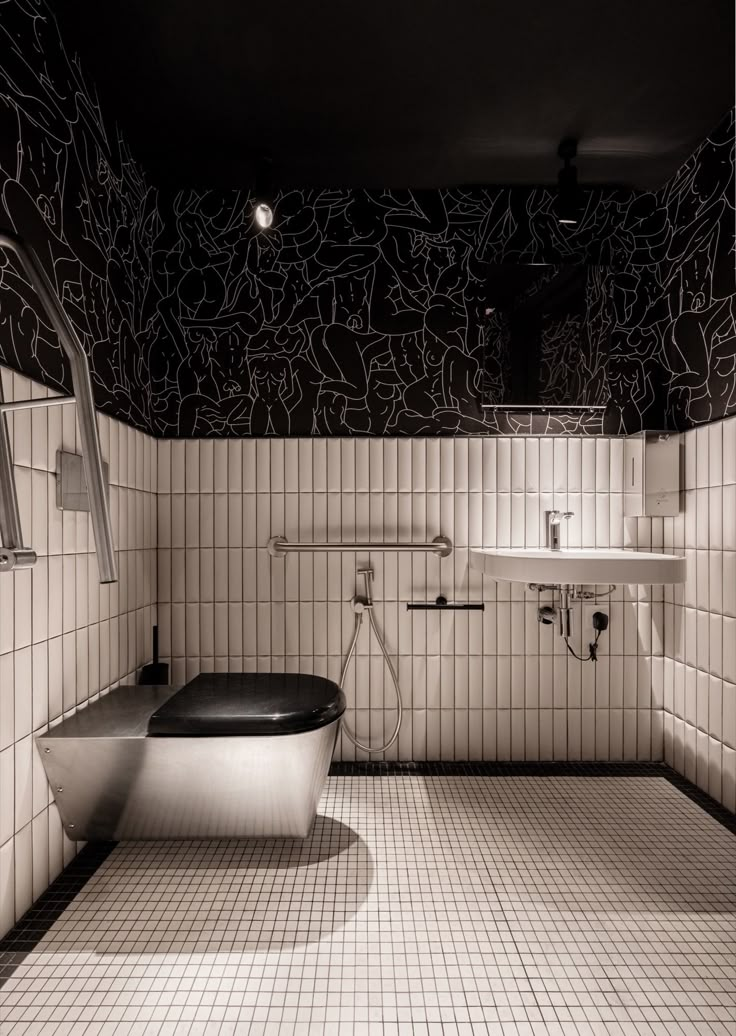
{"points": [[367, 518]]}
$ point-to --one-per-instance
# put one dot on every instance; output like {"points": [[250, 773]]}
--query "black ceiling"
{"points": [[396, 93]]}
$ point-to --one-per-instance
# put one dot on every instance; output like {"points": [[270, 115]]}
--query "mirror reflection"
{"points": [[547, 336]]}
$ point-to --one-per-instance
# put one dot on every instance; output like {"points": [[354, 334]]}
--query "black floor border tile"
{"points": [[496, 768], [701, 798], [26, 934], [369, 768]]}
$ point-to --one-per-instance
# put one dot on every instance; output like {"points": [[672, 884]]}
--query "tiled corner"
{"points": [[700, 618], [64, 638]]}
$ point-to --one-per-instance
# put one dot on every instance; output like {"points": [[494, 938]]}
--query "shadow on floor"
{"points": [[219, 896]]}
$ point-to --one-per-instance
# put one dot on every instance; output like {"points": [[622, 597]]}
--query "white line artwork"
{"points": [[360, 312]]}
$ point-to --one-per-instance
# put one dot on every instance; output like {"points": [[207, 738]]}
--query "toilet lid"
{"points": [[220, 704]]}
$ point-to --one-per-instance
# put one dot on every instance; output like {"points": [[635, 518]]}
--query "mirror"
{"points": [[547, 337]]}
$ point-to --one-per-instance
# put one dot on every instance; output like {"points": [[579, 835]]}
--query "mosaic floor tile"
{"points": [[426, 905]]}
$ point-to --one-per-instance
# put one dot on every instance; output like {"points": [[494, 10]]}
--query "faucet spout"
{"points": [[552, 521]]}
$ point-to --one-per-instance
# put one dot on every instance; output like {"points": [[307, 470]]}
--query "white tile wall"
{"points": [[492, 685], [64, 638], [700, 618], [475, 685]]}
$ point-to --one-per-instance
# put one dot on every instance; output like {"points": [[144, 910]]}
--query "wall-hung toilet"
{"points": [[230, 755]]}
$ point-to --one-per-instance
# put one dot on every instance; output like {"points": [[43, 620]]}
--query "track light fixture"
{"points": [[568, 191], [263, 206]]}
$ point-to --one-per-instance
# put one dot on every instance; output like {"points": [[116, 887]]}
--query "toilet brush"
{"points": [[155, 672]]}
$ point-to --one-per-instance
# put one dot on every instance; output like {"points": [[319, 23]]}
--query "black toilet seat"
{"points": [[248, 704]]}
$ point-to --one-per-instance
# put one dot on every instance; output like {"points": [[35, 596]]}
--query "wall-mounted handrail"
{"points": [[14, 554], [86, 416], [35, 404], [279, 546]]}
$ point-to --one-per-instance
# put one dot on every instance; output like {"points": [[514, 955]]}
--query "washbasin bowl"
{"points": [[571, 565]]}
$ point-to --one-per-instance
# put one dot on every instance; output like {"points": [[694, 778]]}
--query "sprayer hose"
{"points": [[394, 677]]}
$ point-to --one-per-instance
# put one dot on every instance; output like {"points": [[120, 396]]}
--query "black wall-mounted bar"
{"points": [[442, 604]]}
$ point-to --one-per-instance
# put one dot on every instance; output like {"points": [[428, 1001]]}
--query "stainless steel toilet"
{"points": [[229, 755]]}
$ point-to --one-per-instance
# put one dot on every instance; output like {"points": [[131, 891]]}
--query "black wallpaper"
{"points": [[69, 187], [360, 312], [693, 232]]}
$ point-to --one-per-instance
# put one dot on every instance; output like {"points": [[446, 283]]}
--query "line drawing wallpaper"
{"points": [[70, 188], [361, 312]]}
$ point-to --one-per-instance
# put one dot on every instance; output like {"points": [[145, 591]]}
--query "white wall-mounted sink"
{"points": [[537, 565]]}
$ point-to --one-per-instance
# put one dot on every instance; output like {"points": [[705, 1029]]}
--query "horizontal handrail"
{"points": [[86, 416], [279, 546]]}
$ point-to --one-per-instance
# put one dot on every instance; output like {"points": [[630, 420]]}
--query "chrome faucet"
{"points": [[552, 522]]}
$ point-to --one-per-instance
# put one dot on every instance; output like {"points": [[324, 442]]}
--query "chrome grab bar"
{"points": [[35, 404], [13, 553], [279, 546]]}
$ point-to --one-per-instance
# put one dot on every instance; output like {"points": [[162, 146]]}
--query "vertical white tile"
{"points": [[531, 466], [249, 464], [617, 465], [729, 450], [447, 465], [702, 466], [277, 466], [263, 465], [715, 453], [560, 477], [40, 843], [489, 465], [588, 481], [362, 466], [503, 465], [205, 479], [390, 482], [178, 466], [518, 465], [574, 465]]}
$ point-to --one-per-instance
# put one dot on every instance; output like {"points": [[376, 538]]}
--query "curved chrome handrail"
{"points": [[84, 398]]}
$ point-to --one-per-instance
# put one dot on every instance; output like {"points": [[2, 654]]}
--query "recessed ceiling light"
{"points": [[263, 207], [263, 215]]}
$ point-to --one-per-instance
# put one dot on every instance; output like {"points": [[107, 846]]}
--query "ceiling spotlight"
{"points": [[568, 191], [263, 206], [263, 215]]}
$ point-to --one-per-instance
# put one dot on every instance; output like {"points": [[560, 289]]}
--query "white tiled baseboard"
{"points": [[476, 685], [700, 618], [64, 638]]}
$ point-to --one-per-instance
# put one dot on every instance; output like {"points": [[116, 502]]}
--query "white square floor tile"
{"points": [[526, 905]]}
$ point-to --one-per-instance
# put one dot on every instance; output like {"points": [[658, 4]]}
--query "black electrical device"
{"points": [[600, 623]]}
